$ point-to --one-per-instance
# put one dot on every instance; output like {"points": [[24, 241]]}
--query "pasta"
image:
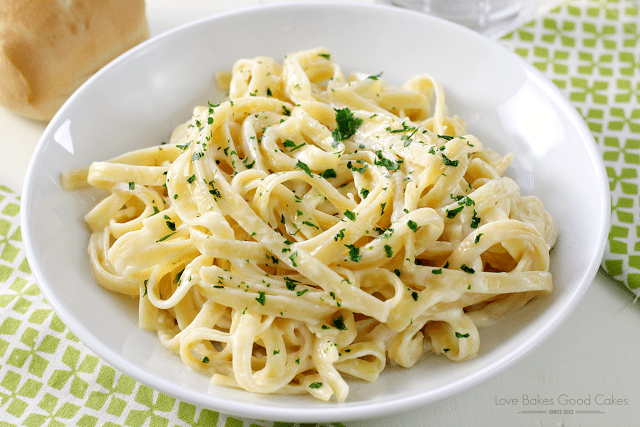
{"points": [[315, 227]]}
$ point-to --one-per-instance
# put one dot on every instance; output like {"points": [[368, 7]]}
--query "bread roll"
{"points": [[49, 48]]}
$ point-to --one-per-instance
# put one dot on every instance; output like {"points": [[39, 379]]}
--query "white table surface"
{"points": [[592, 358]]}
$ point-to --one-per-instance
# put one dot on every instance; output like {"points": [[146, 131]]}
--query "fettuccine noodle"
{"points": [[313, 227]]}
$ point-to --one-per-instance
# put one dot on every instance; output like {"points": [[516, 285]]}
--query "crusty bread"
{"points": [[49, 48]]}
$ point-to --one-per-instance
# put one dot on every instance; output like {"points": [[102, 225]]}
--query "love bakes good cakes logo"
{"points": [[562, 403]]}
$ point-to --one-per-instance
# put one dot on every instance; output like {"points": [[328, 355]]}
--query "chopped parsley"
{"points": [[350, 215], [404, 128], [451, 213], [216, 193], [448, 162], [132, 185], [356, 169], [360, 170], [354, 253], [459, 335], [310, 224], [338, 323], [292, 257], [292, 145], [389, 164], [407, 138], [465, 201], [329, 173], [475, 220], [162, 239], [290, 283], [315, 385], [385, 233], [261, 297], [303, 166], [412, 225], [388, 250], [466, 269], [347, 124]]}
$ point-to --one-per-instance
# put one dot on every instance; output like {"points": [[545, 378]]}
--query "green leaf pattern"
{"points": [[591, 51]]}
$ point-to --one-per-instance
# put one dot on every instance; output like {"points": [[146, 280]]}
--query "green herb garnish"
{"points": [[354, 253], [466, 269], [389, 164], [290, 283], [347, 124], [475, 220], [329, 173], [388, 250], [303, 166], [338, 322], [292, 145], [451, 213]]}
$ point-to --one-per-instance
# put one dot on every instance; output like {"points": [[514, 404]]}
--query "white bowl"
{"points": [[138, 99]]}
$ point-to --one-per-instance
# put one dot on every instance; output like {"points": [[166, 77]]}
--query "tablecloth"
{"points": [[589, 49]]}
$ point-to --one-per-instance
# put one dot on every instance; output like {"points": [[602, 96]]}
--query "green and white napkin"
{"points": [[49, 378], [591, 51]]}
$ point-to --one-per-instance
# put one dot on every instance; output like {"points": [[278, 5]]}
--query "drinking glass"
{"points": [[492, 18]]}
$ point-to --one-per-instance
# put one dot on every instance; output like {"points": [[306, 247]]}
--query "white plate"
{"points": [[138, 99]]}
